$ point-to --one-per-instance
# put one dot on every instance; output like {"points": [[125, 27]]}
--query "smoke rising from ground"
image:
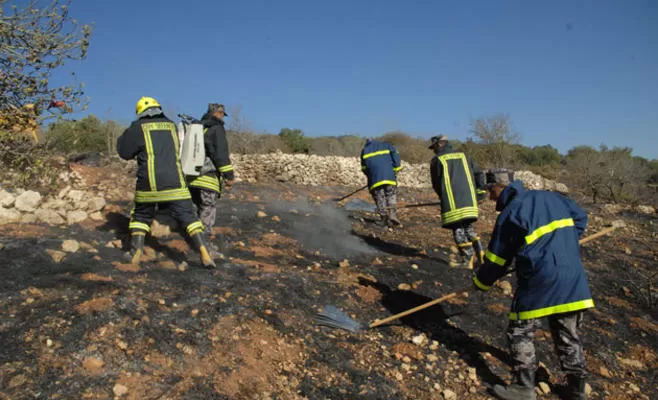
{"points": [[327, 228]]}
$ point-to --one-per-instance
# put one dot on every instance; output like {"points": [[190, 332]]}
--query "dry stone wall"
{"points": [[344, 171]]}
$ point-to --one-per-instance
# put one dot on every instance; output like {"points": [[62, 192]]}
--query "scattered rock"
{"points": [[420, 340], [119, 390], [619, 223], [545, 389], [506, 287], [449, 395], [76, 196], [57, 256], [404, 286], [75, 217], [276, 219], [605, 372], [17, 380], [632, 363], [182, 266], [377, 261], [28, 201], [97, 216], [261, 214], [6, 199], [344, 264], [9, 216], [414, 266], [159, 230], [93, 366], [70, 246], [28, 219], [646, 210], [49, 217], [95, 204]]}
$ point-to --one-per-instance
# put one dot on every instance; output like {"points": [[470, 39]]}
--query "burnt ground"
{"points": [[87, 326]]}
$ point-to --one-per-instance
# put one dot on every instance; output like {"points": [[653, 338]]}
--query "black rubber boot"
{"points": [[522, 389], [136, 247], [200, 246], [479, 250], [576, 388]]}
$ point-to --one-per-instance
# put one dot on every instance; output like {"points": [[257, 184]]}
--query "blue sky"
{"points": [[566, 72]]}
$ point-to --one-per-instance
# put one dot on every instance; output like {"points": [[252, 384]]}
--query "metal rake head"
{"points": [[335, 318]]}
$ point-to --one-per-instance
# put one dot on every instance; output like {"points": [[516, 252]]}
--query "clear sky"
{"points": [[567, 72]]}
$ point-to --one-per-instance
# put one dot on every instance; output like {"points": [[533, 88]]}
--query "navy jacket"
{"points": [[539, 229], [458, 182], [218, 162], [380, 162]]}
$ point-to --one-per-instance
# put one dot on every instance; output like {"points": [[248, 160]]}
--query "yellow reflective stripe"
{"points": [[480, 191], [150, 156], [174, 137], [469, 177], [162, 195], [459, 214], [376, 153], [226, 168], [396, 169], [194, 227], [548, 228], [465, 245], [205, 182], [446, 180], [495, 259], [138, 233], [381, 183], [480, 284], [561, 308], [139, 225]]}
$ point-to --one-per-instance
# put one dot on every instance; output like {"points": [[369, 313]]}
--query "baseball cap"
{"points": [[214, 107]]}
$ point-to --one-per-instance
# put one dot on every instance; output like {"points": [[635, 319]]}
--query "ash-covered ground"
{"points": [[83, 325]]}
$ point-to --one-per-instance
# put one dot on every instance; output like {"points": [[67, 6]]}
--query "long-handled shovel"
{"points": [[351, 194], [333, 317]]}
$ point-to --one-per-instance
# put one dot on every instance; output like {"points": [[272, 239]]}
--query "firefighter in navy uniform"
{"points": [[153, 140], [540, 230], [380, 162], [459, 183], [216, 172]]}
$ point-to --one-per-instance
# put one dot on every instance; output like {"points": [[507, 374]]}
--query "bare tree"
{"points": [[36, 38], [497, 134], [237, 122]]}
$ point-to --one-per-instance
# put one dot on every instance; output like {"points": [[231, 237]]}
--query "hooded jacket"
{"points": [[218, 161], [456, 180], [153, 141], [380, 162], [539, 229]]}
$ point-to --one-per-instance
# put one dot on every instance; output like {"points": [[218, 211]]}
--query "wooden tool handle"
{"points": [[599, 234], [420, 307]]}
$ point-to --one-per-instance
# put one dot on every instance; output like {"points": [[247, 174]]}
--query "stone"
{"points": [[119, 390], [96, 216], [506, 287], [77, 197], [646, 210], [276, 219], [414, 266], [28, 201], [159, 230], [449, 394], [420, 340], [17, 380], [49, 217], [75, 217], [9, 216], [6, 199], [56, 255], [261, 214], [343, 264], [28, 219], [70, 246], [95, 204], [93, 366], [404, 286]]}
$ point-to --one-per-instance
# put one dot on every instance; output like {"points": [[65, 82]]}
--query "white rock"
{"points": [[75, 217], [420, 340], [449, 394], [97, 216], [119, 390], [6, 199], [95, 204], [70, 246], [28, 201], [9, 216], [28, 219], [76, 196], [646, 210], [49, 217]]}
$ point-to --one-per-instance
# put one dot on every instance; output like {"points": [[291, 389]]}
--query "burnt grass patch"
{"points": [[83, 326]]}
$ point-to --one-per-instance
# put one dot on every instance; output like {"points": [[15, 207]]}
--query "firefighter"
{"points": [[540, 230], [217, 171], [152, 139], [458, 182], [380, 162]]}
